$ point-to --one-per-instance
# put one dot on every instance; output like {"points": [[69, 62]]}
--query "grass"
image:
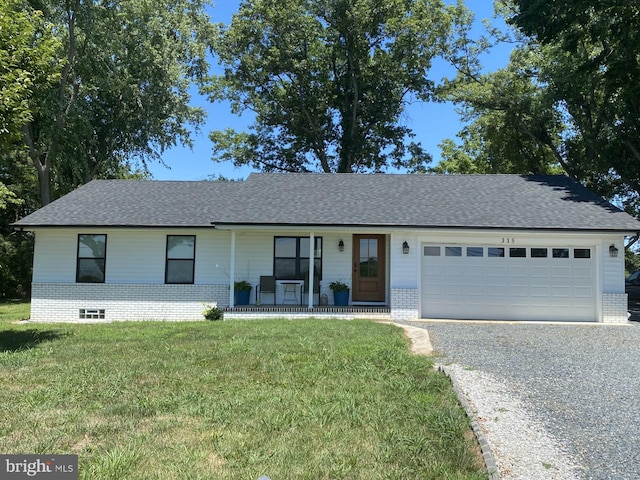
{"points": [[12, 310], [314, 399]]}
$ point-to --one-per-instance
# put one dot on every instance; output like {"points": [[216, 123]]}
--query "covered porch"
{"points": [[292, 258]]}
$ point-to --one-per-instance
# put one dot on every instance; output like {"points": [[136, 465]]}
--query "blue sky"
{"points": [[431, 122]]}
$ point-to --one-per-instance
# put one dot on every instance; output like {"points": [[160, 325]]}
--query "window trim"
{"points": [[167, 259], [298, 258], [79, 258]]}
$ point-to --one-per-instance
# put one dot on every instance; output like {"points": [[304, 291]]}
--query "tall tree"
{"points": [[16, 249], [594, 78], [328, 81], [578, 103], [512, 123], [27, 48], [122, 96]]}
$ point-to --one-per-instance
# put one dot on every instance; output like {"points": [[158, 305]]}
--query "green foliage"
{"points": [[89, 90], [122, 94], [213, 313], [16, 248], [27, 66], [338, 286], [291, 399], [631, 261], [242, 285], [328, 81], [568, 100], [592, 72], [511, 121]]}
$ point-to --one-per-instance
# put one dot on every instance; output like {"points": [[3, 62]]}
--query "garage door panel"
{"points": [[454, 270], [474, 291], [521, 271], [496, 271], [476, 271], [508, 288], [561, 272], [559, 291], [540, 290], [518, 290], [583, 292], [475, 281], [539, 272], [493, 291], [583, 272]]}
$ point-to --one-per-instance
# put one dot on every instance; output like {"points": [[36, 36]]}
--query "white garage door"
{"points": [[508, 283]]}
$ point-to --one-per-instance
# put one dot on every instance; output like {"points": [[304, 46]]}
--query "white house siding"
{"points": [[133, 255], [54, 257], [404, 286], [336, 265], [134, 287]]}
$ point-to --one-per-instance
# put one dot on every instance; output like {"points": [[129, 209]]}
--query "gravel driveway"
{"points": [[578, 386]]}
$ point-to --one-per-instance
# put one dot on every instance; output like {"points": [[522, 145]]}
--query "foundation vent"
{"points": [[91, 314]]}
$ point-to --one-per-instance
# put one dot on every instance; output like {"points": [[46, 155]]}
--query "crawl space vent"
{"points": [[91, 314]]}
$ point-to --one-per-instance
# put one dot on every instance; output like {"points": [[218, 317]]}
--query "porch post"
{"points": [[311, 265], [232, 270]]}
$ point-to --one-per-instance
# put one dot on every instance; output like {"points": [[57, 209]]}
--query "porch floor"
{"points": [[378, 312]]}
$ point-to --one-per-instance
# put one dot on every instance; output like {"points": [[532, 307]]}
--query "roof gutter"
{"points": [[264, 225], [229, 225]]}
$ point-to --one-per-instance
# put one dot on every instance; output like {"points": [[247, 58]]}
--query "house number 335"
{"points": [[508, 240]]}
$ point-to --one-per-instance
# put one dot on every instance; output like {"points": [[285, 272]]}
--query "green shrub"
{"points": [[213, 313]]}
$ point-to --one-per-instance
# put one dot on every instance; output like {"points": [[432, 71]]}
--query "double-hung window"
{"points": [[291, 257], [181, 259], [92, 255]]}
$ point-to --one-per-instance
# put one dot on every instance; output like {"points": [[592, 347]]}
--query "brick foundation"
{"points": [[62, 302], [405, 304], [614, 308]]}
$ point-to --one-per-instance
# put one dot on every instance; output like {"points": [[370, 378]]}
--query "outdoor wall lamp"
{"points": [[341, 246], [613, 251], [405, 248]]}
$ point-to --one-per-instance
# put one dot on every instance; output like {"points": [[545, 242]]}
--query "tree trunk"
{"points": [[41, 165], [44, 181]]}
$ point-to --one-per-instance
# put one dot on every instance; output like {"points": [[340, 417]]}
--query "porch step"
{"points": [[298, 311]]}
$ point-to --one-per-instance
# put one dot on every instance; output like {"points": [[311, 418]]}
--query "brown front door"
{"points": [[368, 268]]}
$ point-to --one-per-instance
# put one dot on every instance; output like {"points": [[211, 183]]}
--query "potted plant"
{"points": [[242, 292], [340, 293]]}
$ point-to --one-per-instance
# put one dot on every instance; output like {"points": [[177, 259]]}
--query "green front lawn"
{"points": [[316, 399]]}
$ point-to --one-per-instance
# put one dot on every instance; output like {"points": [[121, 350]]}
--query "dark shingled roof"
{"points": [[449, 201]]}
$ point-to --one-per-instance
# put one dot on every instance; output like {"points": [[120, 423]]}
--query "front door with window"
{"points": [[368, 268]]}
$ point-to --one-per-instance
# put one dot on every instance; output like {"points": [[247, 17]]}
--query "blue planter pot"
{"points": [[341, 298], [241, 297]]}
